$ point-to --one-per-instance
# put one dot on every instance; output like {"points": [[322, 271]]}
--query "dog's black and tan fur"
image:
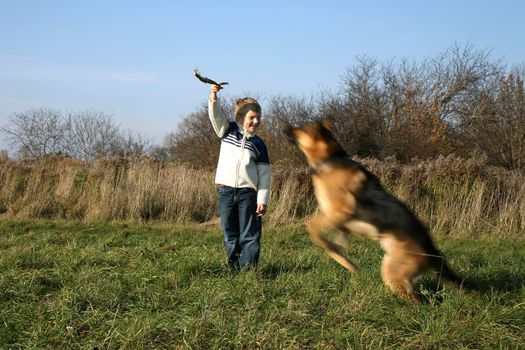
{"points": [[352, 200]]}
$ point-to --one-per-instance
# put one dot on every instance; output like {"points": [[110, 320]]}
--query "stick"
{"points": [[207, 80]]}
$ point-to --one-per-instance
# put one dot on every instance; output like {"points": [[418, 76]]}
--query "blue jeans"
{"points": [[241, 226]]}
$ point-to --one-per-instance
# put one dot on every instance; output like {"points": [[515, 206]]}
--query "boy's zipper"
{"points": [[243, 143]]}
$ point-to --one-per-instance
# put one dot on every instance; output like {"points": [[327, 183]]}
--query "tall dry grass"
{"points": [[110, 189], [455, 195], [452, 195]]}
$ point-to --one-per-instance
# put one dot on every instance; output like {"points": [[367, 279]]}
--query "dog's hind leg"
{"points": [[401, 268], [315, 228], [398, 281]]}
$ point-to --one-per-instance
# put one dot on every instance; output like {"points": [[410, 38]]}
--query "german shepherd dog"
{"points": [[352, 200]]}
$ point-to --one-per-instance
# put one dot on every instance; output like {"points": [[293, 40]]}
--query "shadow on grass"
{"points": [[497, 282], [219, 270], [503, 281], [273, 270]]}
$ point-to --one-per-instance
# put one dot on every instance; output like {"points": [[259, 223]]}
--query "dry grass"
{"points": [[106, 190], [460, 196], [452, 195]]}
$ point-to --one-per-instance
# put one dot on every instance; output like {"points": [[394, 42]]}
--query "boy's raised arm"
{"points": [[218, 119]]}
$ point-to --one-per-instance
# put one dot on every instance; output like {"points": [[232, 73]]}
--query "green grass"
{"points": [[84, 286]]}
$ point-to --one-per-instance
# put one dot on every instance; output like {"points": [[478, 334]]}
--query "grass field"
{"points": [[66, 285]]}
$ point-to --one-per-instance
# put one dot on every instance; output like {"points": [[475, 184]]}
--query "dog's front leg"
{"points": [[315, 227]]}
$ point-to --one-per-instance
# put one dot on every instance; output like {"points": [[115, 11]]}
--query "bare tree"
{"points": [[90, 135], [289, 110], [168, 149], [425, 99], [159, 153], [194, 142], [358, 112], [132, 145], [36, 133], [413, 117], [4, 156], [283, 111], [496, 124]]}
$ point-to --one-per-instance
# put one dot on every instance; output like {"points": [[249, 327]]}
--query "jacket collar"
{"points": [[243, 131]]}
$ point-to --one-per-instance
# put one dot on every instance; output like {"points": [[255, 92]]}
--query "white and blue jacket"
{"points": [[243, 158]]}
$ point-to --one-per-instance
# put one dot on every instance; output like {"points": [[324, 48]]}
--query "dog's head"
{"points": [[316, 141]]}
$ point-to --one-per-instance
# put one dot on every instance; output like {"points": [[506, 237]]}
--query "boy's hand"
{"points": [[261, 209], [214, 90]]}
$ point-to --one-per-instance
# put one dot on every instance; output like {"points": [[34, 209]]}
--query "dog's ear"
{"points": [[327, 123]]}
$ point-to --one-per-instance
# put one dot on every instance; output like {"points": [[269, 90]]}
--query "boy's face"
{"points": [[252, 120]]}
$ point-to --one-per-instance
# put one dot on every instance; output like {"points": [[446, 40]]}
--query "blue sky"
{"points": [[134, 59]]}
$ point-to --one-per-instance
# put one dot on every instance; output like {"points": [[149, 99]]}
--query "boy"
{"points": [[243, 177]]}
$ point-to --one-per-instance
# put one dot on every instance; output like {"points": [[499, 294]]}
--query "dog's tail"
{"points": [[439, 264]]}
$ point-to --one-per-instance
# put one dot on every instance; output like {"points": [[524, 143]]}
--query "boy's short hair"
{"points": [[243, 106]]}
